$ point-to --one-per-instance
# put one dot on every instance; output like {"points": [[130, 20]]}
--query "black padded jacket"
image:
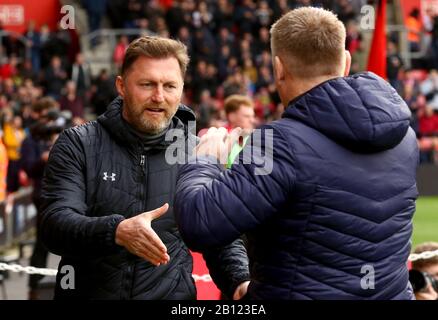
{"points": [[99, 174]]}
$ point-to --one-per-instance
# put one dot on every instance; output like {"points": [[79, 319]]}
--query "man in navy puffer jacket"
{"points": [[331, 215]]}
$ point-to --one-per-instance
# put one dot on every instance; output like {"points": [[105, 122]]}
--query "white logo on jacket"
{"points": [[106, 176]]}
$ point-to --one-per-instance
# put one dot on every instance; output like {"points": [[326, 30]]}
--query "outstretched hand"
{"points": [[138, 237]]}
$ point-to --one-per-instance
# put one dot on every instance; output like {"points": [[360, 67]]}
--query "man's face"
{"points": [[151, 90], [432, 270], [243, 118]]}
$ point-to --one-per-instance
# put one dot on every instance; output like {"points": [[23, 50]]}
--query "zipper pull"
{"points": [[142, 161]]}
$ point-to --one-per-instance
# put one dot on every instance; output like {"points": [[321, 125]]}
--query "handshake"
{"points": [[218, 143]]}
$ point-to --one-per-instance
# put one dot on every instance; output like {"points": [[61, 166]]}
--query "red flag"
{"points": [[377, 56]]}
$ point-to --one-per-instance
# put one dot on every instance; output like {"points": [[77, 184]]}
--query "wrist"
{"points": [[119, 233]]}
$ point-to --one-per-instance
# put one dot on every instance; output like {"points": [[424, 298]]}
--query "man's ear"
{"points": [[120, 86], [347, 63], [279, 69]]}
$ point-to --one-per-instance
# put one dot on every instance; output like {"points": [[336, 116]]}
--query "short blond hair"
{"points": [[156, 47], [310, 42], [233, 103]]}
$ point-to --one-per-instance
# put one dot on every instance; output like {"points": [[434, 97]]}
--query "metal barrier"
{"points": [[17, 218], [108, 42]]}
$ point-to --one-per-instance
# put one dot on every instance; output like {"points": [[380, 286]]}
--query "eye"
{"points": [[146, 84], [170, 86]]}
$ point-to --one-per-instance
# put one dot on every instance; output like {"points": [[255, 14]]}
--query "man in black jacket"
{"points": [[105, 180]]}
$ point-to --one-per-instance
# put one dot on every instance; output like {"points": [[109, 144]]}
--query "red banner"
{"points": [[16, 14], [377, 56]]}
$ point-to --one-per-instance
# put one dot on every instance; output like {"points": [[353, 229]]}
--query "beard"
{"points": [[144, 119]]}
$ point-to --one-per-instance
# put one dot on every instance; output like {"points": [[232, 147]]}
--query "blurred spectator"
{"points": [[234, 84], [200, 81], [429, 268], [175, 18], [55, 78], [263, 42], [3, 168], [13, 136], [428, 128], [133, 11], [26, 71], [115, 13], [415, 102], [263, 14], [202, 16], [81, 74], [264, 106], [35, 153], [428, 120], [185, 37], [249, 70], [103, 92], [34, 43], [345, 10], [429, 88], [95, 10], [119, 52], [205, 110], [9, 69], [394, 64], [239, 111], [354, 37], [225, 38], [224, 15], [413, 24], [245, 15], [265, 78], [45, 50], [71, 101]]}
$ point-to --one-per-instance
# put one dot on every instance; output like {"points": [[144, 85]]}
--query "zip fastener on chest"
{"points": [[142, 162], [144, 170]]}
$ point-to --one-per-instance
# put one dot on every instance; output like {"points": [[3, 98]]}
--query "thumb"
{"points": [[154, 214], [233, 137]]}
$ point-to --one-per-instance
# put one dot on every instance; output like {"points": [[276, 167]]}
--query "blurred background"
{"points": [[59, 59]]}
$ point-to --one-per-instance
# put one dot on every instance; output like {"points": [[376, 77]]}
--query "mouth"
{"points": [[155, 110]]}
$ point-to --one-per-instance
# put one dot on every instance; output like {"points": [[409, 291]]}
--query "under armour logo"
{"points": [[106, 176]]}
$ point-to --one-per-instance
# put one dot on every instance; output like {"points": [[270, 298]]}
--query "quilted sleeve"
{"points": [[214, 206], [65, 228]]}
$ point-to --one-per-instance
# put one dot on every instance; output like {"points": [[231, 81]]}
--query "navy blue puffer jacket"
{"points": [[332, 219]]}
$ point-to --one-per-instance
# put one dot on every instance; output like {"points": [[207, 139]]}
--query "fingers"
{"points": [[219, 133], [144, 252], [216, 142], [150, 247], [154, 240], [233, 137], [154, 214], [153, 259], [142, 240]]}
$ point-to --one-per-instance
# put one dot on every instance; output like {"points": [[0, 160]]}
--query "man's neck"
{"points": [[300, 86]]}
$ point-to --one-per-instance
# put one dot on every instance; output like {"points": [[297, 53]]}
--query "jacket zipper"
{"points": [[144, 167], [142, 162]]}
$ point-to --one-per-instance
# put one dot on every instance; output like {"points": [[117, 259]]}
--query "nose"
{"points": [[158, 95]]}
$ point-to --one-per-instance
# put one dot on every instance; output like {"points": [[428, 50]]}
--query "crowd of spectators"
{"points": [[229, 46]]}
